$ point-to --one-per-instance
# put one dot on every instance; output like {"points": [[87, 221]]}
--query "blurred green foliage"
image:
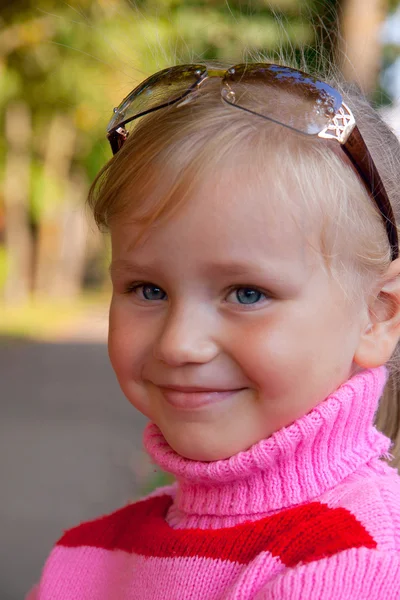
{"points": [[78, 59], [81, 58]]}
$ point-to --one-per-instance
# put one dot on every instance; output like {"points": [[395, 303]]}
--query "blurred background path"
{"points": [[70, 446]]}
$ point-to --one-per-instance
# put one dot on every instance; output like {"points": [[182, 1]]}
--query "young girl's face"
{"points": [[225, 325]]}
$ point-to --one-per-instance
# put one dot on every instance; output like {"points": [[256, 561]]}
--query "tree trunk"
{"points": [[18, 240], [57, 164], [68, 277], [360, 45]]}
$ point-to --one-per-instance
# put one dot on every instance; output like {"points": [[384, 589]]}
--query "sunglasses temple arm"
{"points": [[118, 136], [117, 139], [356, 150]]}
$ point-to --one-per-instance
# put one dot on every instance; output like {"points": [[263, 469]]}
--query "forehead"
{"points": [[233, 211]]}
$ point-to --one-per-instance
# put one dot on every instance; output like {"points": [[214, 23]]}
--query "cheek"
{"points": [[269, 351], [296, 341], [120, 343], [127, 351], [127, 338]]}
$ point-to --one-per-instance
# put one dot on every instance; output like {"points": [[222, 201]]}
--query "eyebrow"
{"points": [[233, 268], [227, 268], [121, 265]]}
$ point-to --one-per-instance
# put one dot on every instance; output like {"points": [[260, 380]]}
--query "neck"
{"points": [[294, 465]]}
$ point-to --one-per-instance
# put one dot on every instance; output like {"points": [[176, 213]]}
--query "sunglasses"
{"points": [[296, 100]]}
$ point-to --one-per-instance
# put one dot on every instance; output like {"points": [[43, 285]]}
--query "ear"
{"points": [[382, 333]]}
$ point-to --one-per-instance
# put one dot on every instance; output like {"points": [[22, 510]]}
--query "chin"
{"points": [[204, 455], [201, 449]]}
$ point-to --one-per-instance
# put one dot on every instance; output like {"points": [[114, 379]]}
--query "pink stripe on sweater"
{"points": [[357, 574], [183, 578]]}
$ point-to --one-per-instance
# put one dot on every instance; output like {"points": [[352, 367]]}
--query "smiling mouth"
{"points": [[192, 398]]}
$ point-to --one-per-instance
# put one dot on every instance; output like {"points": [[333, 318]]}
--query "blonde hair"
{"points": [[174, 147]]}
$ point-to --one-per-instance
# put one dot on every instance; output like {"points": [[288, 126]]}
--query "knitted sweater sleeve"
{"points": [[359, 574]]}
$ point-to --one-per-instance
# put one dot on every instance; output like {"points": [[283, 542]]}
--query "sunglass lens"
{"points": [[163, 88], [294, 99]]}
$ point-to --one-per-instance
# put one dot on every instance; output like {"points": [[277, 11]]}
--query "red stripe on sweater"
{"points": [[297, 535]]}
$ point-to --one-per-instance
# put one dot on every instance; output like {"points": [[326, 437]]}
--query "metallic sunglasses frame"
{"points": [[340, 122]]}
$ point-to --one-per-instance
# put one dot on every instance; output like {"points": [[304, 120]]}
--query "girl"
{"points": [[256, 302]]}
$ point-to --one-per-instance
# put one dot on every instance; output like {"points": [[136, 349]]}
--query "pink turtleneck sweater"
{"points": [[310, 513]]}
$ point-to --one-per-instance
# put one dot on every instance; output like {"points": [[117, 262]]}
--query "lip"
{"points": [[189, 398], [192, 388]]}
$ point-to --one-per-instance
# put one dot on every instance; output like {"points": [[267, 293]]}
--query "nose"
{"points": [[186, 337]]}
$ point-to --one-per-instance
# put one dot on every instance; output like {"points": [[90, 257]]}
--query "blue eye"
{"points": [[153, 292], [247, 295], [148, 291]]}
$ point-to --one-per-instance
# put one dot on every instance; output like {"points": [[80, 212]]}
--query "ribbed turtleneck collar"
{"points": [[295, 465]]}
